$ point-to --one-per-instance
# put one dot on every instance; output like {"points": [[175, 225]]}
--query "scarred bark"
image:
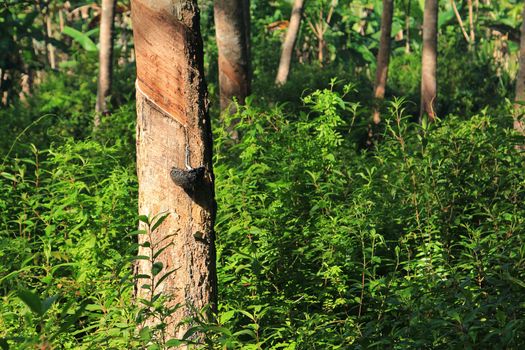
{"points": [[173, 129], [429, 60], [520, 83], [383, 56], [289, 42], [107, 17], [232, 23]]}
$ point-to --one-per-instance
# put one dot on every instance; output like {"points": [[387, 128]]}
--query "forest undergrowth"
{"points": [[325, 241]]}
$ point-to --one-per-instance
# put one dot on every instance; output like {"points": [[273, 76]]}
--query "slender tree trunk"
{"points": [[289, 42], [429, 60], [174, 135], [460, 21], [471, 22], [520, 83], [49, 35], [383, 56], [320, 49], [232, 30], [407, 26], [105, 69]]}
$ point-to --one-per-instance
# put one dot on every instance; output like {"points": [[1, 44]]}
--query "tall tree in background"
{"points": [[520, 82], [174, 156], [289, 42], [429, 60], [51, 52], [383, 56], [105, 70], [232, 21]]}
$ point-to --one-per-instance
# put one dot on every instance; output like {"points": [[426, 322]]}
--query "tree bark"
{"points": [[173, 133], [232, 31], [520, 83], [383, 56], [289, 42], [429, 60], [107, 19]]}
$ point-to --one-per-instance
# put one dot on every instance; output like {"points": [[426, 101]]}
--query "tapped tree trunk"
{"points": [[383, 57], [429, 61], [289, 42], [105, 69], [520, 84], [232, 21], [174, 160]]}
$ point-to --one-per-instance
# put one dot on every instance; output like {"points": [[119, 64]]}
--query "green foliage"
{"points": [[64, 233], [325, 246], [414, 242]]}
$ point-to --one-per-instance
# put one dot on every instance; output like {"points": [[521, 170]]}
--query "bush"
{"points": [[414, 244]]}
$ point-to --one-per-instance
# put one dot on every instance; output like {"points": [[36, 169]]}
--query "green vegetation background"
{"points": [[324, 241]]}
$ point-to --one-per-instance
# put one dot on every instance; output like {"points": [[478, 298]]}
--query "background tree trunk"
{"points": [[429, 60], [105, 69], [471, 22], [383, 56], [49, 35], [232, 29], [289, 42], [407, 25], [520, 82], [173, 130]]}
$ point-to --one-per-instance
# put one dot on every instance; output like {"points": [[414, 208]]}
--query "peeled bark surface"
{"points": [[383, 56], [232, 31], [520, 83], [429, 60], [107, 18], [289, 42], [173, 127]]}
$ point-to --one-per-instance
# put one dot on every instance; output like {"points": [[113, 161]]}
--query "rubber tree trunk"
{"points": [[520, 83], [174, 135], [383, 57], [289, 42], [429, 60], [232, 31], [105, 69]]}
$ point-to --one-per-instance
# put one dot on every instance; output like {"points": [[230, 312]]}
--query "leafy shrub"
{"points": [[65, 223], [415, 244]]}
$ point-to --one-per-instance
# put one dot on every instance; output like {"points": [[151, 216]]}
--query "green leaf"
{"points": [[31, 300], [144, 219], [158, 252], [81, 38], [248, 332], [48, 302], [141, 257], [226, 316], [174, 342], [157, 268], [165, 276], [190, 332], [159, 221]]}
